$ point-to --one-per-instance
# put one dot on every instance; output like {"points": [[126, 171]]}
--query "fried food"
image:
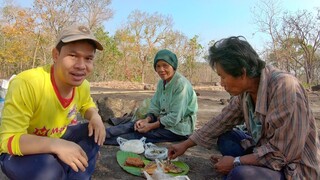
{"points": [[171, 168], [167, 167], [134, 161], [151, 167]]}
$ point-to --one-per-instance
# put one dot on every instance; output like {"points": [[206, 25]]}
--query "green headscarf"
{"points": [[167, 56]]}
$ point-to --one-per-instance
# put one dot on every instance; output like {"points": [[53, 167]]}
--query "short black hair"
{"points": [[234, 54]]}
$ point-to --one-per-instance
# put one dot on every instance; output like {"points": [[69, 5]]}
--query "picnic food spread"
{"points": [[131, 163]]}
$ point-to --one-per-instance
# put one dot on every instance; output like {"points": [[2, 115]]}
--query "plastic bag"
{"points": [[5, 83], [3, 93], [160, 175], [155, 152], [134, 145], [142, 110]]}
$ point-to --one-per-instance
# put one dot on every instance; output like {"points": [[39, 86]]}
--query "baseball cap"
{"points": [[77, 32]]}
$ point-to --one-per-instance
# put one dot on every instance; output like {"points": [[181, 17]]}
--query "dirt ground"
{"points": [[210, 104]]}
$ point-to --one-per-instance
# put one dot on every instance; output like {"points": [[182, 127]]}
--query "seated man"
{"points": [[282, 140], [173, 109], [37, 136]]}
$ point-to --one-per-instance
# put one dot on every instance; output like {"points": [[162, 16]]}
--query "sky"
{"points": [[209, 19]]}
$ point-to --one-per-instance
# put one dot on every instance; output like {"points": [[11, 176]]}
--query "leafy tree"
{"points": [[106, 61], [194, 49], [17, 31], [127, 63]]}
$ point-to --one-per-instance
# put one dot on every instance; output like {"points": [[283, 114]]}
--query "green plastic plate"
{"points": [[122, 156]]}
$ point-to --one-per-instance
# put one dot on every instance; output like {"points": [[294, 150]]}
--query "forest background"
{"points": [[27, 36]]}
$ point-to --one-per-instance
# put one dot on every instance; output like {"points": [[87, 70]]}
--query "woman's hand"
{"points": [[146, 128], [144, 125], [141, 123]]}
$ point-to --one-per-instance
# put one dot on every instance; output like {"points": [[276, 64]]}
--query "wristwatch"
{"points": [[236, 161]]}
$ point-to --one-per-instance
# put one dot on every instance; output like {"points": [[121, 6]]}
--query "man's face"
{"points": [[73, 64], [164, 70], [233, 85]]}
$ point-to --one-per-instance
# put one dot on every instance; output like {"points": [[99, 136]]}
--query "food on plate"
{"points": [[167, 167], [154, 152], [134, 161], [171, 168], [152, 166]]}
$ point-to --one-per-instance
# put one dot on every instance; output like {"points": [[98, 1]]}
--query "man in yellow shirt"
{"points": [[39, 134]]}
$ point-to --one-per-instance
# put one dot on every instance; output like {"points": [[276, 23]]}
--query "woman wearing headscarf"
{"points": [[173, 108]]}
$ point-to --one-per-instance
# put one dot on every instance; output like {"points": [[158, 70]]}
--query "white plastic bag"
{"points": [[153, 152], [160, 175], [5, 83], [3, 93], [134, 145]]}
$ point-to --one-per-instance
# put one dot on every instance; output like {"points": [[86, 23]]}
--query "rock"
{"points": [[216, 84], [115, 107], [147, 87], [224, 101], [315, 88], [197, 93]]}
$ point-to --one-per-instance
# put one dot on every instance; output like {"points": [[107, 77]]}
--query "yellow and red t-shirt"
{"points": [[33, 107]]}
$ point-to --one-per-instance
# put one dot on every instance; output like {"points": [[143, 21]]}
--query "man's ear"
{"points": [[55, 54], [244, 73]]}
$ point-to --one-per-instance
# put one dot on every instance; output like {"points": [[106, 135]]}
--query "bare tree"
{"points": [[53, 15], [94, 12], [267, 16], [294, 37], [149, 30], [306, 31]]}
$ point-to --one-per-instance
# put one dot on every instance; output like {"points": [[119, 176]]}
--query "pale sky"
{"points": [[209, 19]]}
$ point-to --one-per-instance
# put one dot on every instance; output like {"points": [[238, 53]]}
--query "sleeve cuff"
{"points": [[153, 117]]}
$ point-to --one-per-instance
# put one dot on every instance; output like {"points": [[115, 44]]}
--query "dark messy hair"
{"points": [[234, 55], [61, 44]]}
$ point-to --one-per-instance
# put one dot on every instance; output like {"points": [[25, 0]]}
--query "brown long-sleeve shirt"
{"points": [[289, 138]]}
